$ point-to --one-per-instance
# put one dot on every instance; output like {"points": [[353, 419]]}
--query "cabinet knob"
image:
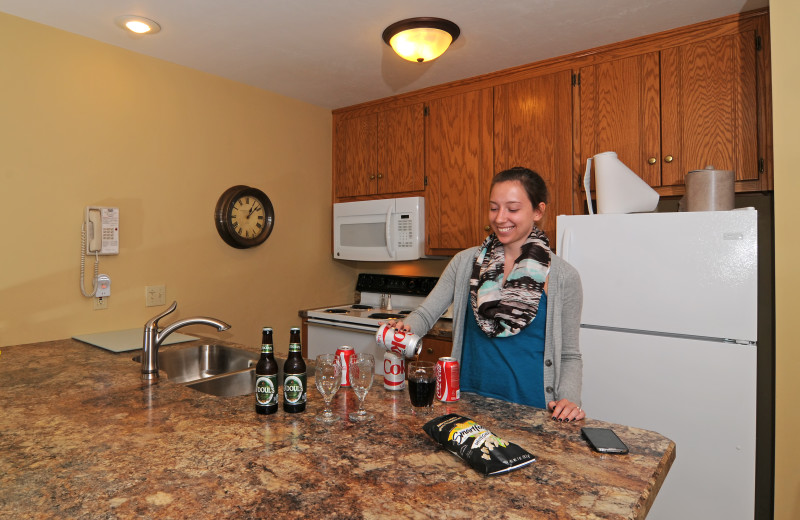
{"points": [[487, 228], [651, 160], [380, 176], [429, 350], [668, 159], [371, 177]]}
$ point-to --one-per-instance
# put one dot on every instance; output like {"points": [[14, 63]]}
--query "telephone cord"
{"points": [[83, 266]]}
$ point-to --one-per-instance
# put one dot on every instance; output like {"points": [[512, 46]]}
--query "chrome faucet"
{"points": [[153, 338]]}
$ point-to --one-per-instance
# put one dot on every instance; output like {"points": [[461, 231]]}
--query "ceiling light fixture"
{"points": [[421, 39], [137, 24]]}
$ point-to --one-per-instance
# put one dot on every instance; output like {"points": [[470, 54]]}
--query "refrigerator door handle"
{"points": [[586, 185], [564, 246]]}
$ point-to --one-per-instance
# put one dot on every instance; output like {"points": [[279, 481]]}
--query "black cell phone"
{"points": [[604, 440]]}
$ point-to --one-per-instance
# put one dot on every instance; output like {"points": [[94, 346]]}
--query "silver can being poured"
{"points": [[399, 342]]}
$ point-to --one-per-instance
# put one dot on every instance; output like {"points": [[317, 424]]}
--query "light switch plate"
{"points": [[155, 295]]}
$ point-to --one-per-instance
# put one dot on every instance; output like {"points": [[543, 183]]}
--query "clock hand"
{"points": [[252, 208]]}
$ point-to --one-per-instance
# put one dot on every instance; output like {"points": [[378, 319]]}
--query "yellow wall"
{"points": [[85, 123], [784, 21]]}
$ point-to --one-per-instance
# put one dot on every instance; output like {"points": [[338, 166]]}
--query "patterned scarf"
{"points": [[504, 309]]}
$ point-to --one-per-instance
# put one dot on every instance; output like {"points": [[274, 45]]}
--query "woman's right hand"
{"points": [[399, 325]]}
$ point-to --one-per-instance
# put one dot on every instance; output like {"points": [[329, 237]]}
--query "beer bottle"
{"points": [[294, 376], [266, 376]]}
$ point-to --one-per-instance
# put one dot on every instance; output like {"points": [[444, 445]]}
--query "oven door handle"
{"points": [[343, 325]]}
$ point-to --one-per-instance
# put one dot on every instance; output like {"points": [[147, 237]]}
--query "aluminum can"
{"points": [[343, 354], [447, 380], [394, 372], [401, 343]]}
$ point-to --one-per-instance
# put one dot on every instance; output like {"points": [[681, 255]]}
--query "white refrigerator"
{"points": [[668, 338]]}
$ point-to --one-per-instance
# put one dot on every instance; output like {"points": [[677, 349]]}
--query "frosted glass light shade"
{"points": [[421, 39], [421, 44]]}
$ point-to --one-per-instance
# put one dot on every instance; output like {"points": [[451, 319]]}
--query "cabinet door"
{"points": [[434, 348], [401, 142], [458, 163], [619, 112], [356, 156], [709, 107], [533, 128]]}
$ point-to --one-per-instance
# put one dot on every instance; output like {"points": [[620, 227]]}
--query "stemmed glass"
{"points": [[361, 369], [328, 377]]}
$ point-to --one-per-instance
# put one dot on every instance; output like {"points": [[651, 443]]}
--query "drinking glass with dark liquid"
{"points": [[421, 385]]}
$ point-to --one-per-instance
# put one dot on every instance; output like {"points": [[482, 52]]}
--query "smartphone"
{"points": [[604, 440]]}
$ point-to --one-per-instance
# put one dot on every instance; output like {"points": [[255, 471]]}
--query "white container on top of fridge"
{"points": [[668, 338]]}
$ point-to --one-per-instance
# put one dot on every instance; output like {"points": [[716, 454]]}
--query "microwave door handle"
{"points": [[389, 240]]}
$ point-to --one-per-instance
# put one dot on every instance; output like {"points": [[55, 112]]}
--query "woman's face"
{"points": [[511, 213]]}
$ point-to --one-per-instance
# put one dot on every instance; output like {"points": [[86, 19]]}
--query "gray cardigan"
{"points": [[563, 367]]}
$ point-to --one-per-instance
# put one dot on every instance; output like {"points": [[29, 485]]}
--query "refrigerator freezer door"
{"points": [[688, 273], [699, 394]]}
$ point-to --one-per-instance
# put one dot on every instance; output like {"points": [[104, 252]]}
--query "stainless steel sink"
{"points": [[237, 383], [197, 362]]}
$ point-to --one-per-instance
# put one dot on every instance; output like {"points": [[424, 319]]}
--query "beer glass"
{"points": [[361, 370], [421, 383], [328, 377]]}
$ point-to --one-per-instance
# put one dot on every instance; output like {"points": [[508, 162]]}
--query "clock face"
{"points": [[248, 217], [244, 217]]}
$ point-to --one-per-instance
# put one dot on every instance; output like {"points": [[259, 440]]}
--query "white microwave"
{"points": [[384, 230]]}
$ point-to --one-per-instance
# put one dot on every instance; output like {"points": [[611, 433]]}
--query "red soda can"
{"points": [[447, 380], [403, 344], [394, 372], [343, 354]]}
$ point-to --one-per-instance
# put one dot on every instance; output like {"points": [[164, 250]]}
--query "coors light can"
{"points": [[447, 384], [399, 342], [394, 372], [343, 355]]}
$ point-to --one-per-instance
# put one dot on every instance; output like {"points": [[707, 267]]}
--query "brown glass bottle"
{"points": [[294, 376], [266, 376]]}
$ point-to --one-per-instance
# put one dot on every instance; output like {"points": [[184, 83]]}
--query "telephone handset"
{"points": [[99, 236]]}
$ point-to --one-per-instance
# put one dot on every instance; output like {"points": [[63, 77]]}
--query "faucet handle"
{"points": [[153, 322]]}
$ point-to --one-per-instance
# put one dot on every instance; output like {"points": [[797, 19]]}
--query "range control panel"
{"points": [[395, 284]]}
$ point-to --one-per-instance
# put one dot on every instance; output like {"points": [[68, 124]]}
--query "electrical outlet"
{"points": [[100, 303], [155, 295]]}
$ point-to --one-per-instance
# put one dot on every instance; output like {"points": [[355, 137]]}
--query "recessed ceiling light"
{"points": [[137, 24]]}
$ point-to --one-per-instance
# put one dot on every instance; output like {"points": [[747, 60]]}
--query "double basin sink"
{"points": [[212, 369]]}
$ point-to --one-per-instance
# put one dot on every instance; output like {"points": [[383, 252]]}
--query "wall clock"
{"points": [[244, 216]]}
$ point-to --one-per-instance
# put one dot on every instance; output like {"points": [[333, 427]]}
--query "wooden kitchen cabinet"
{"points": [[434, 347], [679, 108], [379, 153], [458, 166], [533, 128]]}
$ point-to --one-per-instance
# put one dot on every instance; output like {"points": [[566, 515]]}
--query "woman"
{"points": [[516, 322]]}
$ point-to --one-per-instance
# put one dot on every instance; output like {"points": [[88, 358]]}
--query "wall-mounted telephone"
{"points": [[102, 230], [99, 236]]}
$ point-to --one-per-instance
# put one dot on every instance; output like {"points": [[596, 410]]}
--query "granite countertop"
{"points": [[81, 436]]}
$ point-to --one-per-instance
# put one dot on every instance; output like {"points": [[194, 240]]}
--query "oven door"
{"points": [[324, 337]]}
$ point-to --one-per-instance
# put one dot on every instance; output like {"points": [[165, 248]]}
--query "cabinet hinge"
{"points": [[576, 79], [425, 111], [426, 181], [758, 42], [760, 165]]}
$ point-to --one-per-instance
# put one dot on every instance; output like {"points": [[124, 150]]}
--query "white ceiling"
{"points": [[330, 53]]}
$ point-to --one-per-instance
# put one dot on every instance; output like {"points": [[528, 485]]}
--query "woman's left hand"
{"points": [[565, 410]]}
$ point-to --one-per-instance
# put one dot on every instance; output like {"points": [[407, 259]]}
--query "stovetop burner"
{"points": [[385, 315], [336, 311], [360, 306]]}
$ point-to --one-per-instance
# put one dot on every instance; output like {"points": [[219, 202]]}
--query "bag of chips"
{"points": [[485, 452]]}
